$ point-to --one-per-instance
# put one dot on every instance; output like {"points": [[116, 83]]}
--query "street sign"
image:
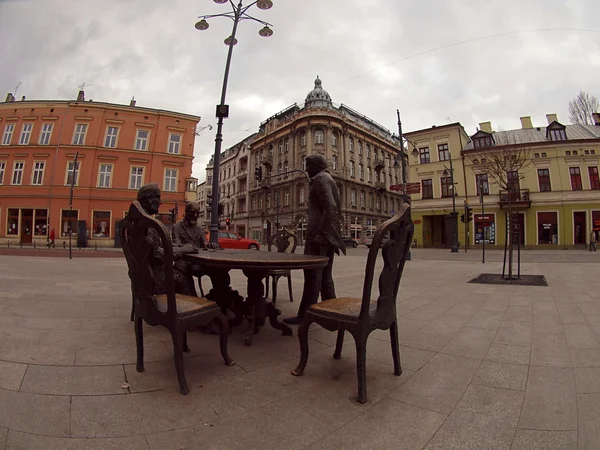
{"points": [[413, 188], [396, 187]]}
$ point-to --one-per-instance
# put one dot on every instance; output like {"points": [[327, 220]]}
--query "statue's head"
{"points": [[315, 164], [192, 211], [149, 198]]}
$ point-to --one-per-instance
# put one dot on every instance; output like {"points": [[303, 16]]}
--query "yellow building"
{"points": [[556, 197]]}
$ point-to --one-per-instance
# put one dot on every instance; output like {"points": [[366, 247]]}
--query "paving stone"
{"points": [[15, 335], [150, 412], [11, 375], [550, 400], [388, 424], [111, 354], [470, 342], [585, 357], [544, 307], [513, 336], [426, 341], [37, 353], [580, 336], [3, 436], [511, 354], [589, 308], [588, 411], [550, 350], [440, 384], [486, 319], [546, 324], [33, 413], [587, 380], [80, 338], [570, 314], [484, 418], [24, 441], [546, 440], [73, 380], [594, 322], [502, 375], [50, 323], [117, 323], [519, 314]]}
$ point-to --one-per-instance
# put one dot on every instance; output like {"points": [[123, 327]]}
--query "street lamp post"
{"points": [[238, 14], [453, 214]]}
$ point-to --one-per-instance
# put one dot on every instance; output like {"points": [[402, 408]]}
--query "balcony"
{"points": [[241, 194], [379, 163], [268, 161], [242, 173], [518, 199], [380, 186]]}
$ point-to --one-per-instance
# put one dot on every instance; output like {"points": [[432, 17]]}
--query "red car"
{"points": [[229, 239]]}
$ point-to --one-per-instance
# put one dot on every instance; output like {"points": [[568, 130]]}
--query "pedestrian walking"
{"points": [[593, 241], [51, 240]]}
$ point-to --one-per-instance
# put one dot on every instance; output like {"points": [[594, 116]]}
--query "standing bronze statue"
{"points": [[323, 234]]}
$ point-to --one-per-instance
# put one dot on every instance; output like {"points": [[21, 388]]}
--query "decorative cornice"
{"points": [[20, 155], [143, 124], [109, 158], [114, 121], [183, 130], [72, 155], [139, 160], [12, 119], [84, 118], [30, 117], [41, 155], [172, 163], [49, 117]]}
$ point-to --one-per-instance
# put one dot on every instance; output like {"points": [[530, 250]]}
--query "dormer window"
{"points": [[483, 142], [556, 132]]}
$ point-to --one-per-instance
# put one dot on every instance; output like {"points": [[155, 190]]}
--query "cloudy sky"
{"points": [[435, 60]]}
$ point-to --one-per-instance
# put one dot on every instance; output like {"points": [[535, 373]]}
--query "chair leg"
{"points": [[223, 336], [200, 286], [185, 344], [275, 280], [337, 354], [139, 342], [289, 277], [303, 338], [361, 367], [267, 286], [177, 336], [132, 308], [395, 349]]}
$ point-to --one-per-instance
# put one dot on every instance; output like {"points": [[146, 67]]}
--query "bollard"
{"points": [[64, 245]]}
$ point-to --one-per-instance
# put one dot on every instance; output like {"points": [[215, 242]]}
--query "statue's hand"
{"points": [[212, 245], [319, 238], [189, 248]]}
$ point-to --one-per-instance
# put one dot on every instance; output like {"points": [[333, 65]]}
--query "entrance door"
{"points": [[26, 226], [579, 235], [519, 227]]}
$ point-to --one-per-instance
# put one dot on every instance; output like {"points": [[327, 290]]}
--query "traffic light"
{"points": [[468, 213], [227, 221], [462, 218], [258, 174], [174, 213]]}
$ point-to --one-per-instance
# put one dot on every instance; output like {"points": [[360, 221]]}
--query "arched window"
{"points": [[334, 139], [286, 144], [303, 139], [319, 137], [281, 147], [271, 150], [285, 166]]}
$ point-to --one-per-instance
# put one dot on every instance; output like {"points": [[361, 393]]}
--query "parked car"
{"points": [[229, 239], [350, 242]]}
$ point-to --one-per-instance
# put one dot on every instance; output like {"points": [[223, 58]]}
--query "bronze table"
{"points": [[255, 265]]}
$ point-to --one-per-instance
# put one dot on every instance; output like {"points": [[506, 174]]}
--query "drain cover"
{"points": [[524, 280]]}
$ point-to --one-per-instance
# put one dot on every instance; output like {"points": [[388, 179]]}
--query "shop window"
{"points": [[12, 228], [101, 224], [547, 228], [41, 222], [485, 229], [68, 222]]}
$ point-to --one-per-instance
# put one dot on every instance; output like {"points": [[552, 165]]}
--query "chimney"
{"points": [[526, 122], [486, 126], [551, 118], [81, 96], [10, 98], [596, 119], [23, 98], [132, 102]]}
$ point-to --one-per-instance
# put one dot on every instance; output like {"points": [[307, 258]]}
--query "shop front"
{"points": [[547, 232], [596, 224], [485, 229]]}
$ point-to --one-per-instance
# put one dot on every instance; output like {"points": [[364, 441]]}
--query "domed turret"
{"points": [[318, 97]]}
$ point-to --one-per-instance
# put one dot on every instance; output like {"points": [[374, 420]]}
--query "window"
{"points": [[286, 144], [483, 142], [360, 171], [544, 180], [137, 178], [46, 133], [69, 221], [2, 170], [334, 163], [369, 174], [424, 155], [544, 155], [304, 163], [443, 152], [334, 139], [40, 222], [260, 203], [594, 180], [368, 151], [208, 179], [353, 197], [547, 227], [351, 147], [141, 140], [301, 195], [319, 137], [101, 224], [285, 166], [170, 180], [25, 134], [79, 136], [8, 132], [37, 177], [574, 152], [575, 178], [447, 187], [12, 224], [110, 140], [104, 176], [426, 189], [558, 135], [280, 147], [536, 155], [481, 180], [174, 143], [286, 198], [279, 168], [18, 172], [362, 199], [568, 152], [70, 175], [360, 147], [352, 169]]}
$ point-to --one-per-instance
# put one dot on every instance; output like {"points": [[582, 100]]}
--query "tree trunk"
{"points": [[510, 240]]}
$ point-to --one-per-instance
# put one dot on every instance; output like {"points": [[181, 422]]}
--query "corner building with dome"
{"points": [[363, 158]]}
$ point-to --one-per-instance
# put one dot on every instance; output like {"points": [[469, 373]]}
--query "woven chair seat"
{"points": [[344, 307], [186, 303]]}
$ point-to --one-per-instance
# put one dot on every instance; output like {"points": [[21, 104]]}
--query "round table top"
{"points": [[248, 259]]}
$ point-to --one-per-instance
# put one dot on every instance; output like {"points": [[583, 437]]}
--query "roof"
{"points": [[538, 135]]}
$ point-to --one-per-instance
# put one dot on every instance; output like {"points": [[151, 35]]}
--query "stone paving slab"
{"points": [[483, 366]]}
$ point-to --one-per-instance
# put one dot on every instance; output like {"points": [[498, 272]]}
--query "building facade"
{"points": [[555, 198], [118, 148], [361, 155]]}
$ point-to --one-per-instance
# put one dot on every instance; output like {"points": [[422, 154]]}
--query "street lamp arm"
{"points": [[249, 17], [229, 15]]}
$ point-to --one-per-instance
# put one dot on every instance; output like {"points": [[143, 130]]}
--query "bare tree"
{"points": [[582, 107], [505, 163]]}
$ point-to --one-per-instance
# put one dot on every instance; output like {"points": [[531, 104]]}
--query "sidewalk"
{"points": [[491, 367]]}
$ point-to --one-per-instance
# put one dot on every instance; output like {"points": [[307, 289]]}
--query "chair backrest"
{"points": [[149, 254], [394, 251], [284, 240]]}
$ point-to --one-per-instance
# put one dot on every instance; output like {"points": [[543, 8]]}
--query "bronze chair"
{"points": [[142, 237], [361, 316], [285, 242]]}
